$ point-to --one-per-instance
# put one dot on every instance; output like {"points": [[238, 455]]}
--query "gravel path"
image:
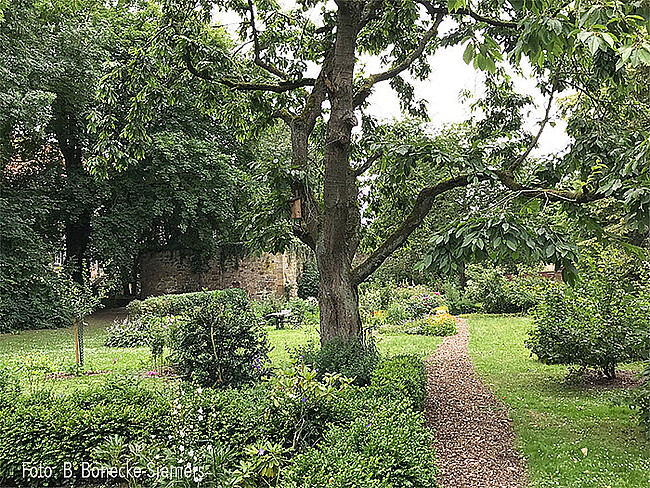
{"points": [[474, 438]]}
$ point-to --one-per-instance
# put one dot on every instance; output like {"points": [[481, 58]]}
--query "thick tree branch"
{"points": [[517, 163], [240, 85], [369, 162], [366, 87], [421, 209], [304, 236], [551, 195], [424, 203]]}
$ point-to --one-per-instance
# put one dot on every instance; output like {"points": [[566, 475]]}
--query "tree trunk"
{"points": [[339, 301], [338, 239], [77, 220]]}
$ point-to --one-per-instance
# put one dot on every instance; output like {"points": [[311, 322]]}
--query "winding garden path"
{"points": [[474, 438]]}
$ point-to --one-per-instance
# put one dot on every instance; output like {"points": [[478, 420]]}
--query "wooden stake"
{"points": [[76, 340]]}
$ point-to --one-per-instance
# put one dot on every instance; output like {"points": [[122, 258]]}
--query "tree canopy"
{"points": [[300, 65]]}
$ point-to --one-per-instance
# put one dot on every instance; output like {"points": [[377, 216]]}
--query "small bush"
{"points": [[354, 358], [309, 281], [387, 445], [234, 417], [180, 304], [396, 313], [423, 304], [303, 311], [597, 324], [301, 402], [221, 344], [401, 376], [458, 302]]}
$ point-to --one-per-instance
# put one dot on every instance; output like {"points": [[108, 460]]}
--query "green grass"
{"points": [[553, 422], [55, 348], [285, 340]]}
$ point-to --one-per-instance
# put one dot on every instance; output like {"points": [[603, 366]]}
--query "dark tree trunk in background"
{"points": [[462, 277], [78, 181]]}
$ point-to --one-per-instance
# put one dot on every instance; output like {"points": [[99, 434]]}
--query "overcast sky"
{"points": [[451, 76]]}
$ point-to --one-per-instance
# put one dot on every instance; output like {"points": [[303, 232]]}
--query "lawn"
{"points": [[54, 349], [555, 422]]}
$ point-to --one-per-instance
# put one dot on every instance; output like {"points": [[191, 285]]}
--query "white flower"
{"points": [[181, 448], [199, 390]]}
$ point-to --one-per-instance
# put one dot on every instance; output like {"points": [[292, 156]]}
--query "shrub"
{"points": [[423, 304], [354, 358], [309, 281], [402, 376], [48, 430], [127, 333], [302, 311], [180, 304], [396, 314], [495, 293], [222, 343], [459, 302], [300, 400], [387, 445], [234, 417], [596, 324], [486, 287]]}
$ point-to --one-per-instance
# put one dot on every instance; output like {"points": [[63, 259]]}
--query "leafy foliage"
{"points": [[401, 376], [127, 333], [349, 455], [355, 358], [308, 283], [222, 344], [596, 324], [175, 304], [52, 430]]}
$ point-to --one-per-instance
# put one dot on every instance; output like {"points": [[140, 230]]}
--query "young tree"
{"points": [[566, 42]]}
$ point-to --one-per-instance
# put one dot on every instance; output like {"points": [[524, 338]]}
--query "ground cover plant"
{"points": [[570, 435], [132, 410]]}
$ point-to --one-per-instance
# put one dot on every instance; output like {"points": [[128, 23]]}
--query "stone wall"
{"points": [[174, 272]]}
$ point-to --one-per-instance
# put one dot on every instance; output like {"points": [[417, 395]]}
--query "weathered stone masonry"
{"points": [[173, 272]]}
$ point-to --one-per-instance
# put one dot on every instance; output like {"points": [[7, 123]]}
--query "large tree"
{"points": [[187, 191], [301, 66]]}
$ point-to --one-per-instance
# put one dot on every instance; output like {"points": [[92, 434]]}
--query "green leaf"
{"points": [[468, 55], [594, 43]]}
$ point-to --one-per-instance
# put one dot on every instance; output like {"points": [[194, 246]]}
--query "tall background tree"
{"points": [[267, 77], [187, 191]]}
